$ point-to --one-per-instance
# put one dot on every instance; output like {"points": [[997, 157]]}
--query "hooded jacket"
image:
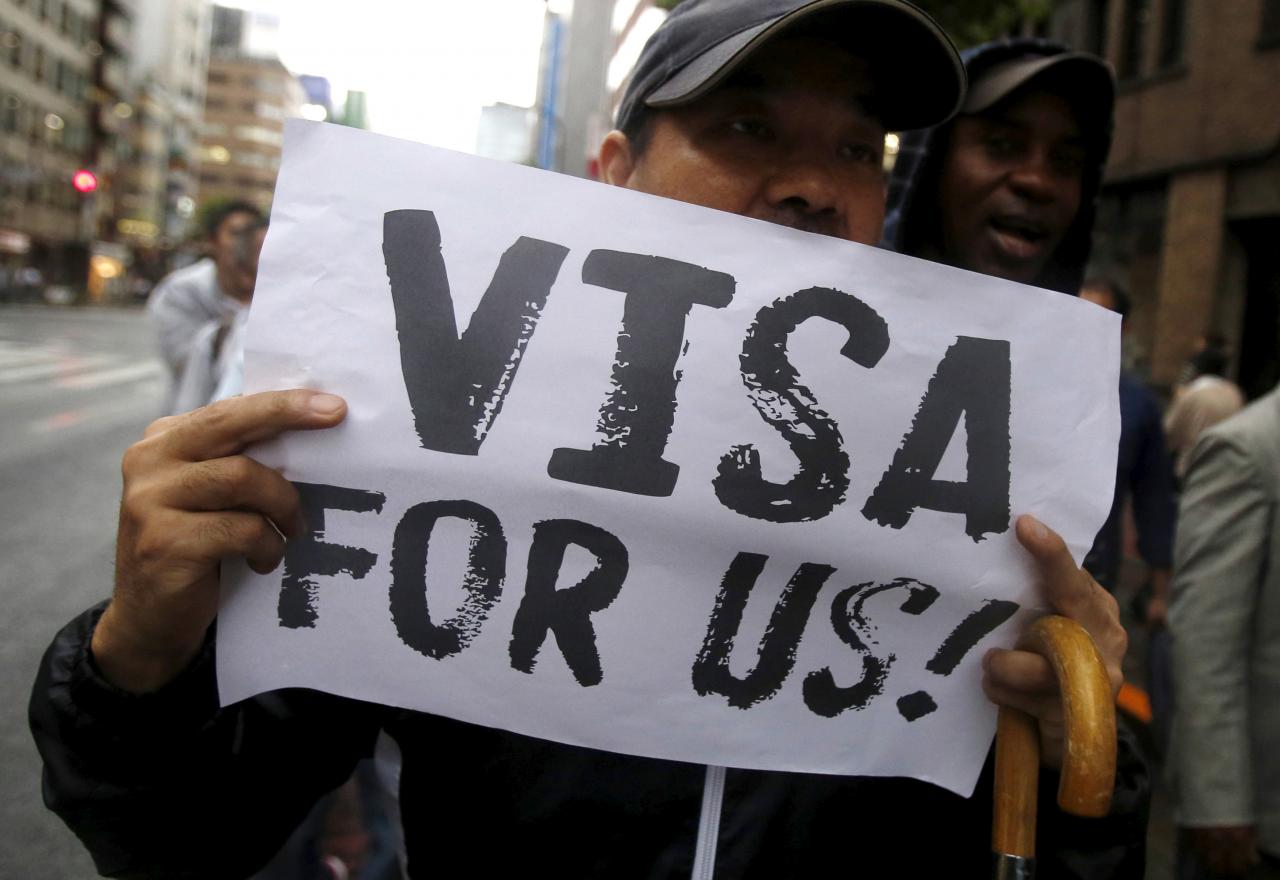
{"points": [[912, 219]]}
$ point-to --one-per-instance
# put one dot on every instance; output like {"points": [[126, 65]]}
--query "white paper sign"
{"points": [[632, 474]]}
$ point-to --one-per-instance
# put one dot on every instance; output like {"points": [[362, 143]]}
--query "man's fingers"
{"points": [[1025, 681], [1044, 709], [159, 426], [1066, 592], [239, 483], [214, 536], [1071, 592], [225, 428], [1020, 671]]}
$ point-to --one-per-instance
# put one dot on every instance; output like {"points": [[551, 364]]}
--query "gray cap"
{"points": [[919, 77], [1082, 77]]}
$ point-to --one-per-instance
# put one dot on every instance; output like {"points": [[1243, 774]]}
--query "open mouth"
{"points": [[1019, 236]]}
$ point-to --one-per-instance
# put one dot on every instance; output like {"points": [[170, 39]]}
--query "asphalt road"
{"points": [[77, 386]]}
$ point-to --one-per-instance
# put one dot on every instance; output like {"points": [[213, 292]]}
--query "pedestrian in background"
{"points": [[1144, 478], [1203, 399], [1225, 622], [215, 357], [212, 289]]}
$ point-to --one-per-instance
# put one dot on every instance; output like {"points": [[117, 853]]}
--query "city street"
{"points": [[76, 387]]}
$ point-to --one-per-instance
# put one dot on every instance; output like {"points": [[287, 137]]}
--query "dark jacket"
{"points": [[1145, 474], [169, 786], [912, 220]]}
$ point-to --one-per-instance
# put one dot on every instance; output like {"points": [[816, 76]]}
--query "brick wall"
{"points": [[1219, 103], [1189, 268]]}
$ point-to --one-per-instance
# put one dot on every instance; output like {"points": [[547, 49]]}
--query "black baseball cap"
{"points": [[1085, 79], [919, 77]]}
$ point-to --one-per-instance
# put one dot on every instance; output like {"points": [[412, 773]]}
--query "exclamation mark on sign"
{"points": [[959, 642]]}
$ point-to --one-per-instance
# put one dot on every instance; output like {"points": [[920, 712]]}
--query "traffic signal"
{"points": [[85, 181]]}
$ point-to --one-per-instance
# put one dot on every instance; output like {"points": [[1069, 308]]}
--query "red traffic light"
{"points": [[84, 181]]}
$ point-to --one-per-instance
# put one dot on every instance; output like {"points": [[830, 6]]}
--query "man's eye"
{"points": [[868, 153], [1068, 163], [756, 128], [1001, 146]]}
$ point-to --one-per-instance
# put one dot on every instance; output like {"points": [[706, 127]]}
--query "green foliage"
{"points": [[969, 22]]}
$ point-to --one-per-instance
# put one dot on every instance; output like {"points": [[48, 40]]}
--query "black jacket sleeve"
{"points": [[1111, 848], [169, 785]]}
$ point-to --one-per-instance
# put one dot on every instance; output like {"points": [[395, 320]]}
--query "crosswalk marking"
{"points": [[63, 367], [117, 376], [44, 363]]}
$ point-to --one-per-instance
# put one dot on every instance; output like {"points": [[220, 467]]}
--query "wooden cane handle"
{"points": [[1088, 770]]}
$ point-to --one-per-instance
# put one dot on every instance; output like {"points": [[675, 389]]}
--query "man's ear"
{"points": [[616, 160]]}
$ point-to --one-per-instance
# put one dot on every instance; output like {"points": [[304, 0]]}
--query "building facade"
{"points": [[1190, 213], [167, 71], [247, 101], [48, 51]]}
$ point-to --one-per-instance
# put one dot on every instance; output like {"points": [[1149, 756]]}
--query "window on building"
{"points": [[37, 64], [1270, 32], [259, 134], [12, 46], [1173, 33], [9, 113], [1136, 15]]}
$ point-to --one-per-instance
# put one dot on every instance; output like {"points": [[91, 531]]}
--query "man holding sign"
{"points": [[770, 109]]}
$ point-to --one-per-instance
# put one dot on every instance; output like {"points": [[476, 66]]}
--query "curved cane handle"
{"points": [[1088, 770]]}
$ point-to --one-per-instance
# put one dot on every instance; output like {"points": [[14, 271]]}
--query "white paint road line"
{"points": [[117, 376], [45, 370]]}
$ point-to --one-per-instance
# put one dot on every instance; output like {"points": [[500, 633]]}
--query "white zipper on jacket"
{"points": [[704, 853]]}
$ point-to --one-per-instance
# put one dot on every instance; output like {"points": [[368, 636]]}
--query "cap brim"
{"points": [[925, 87], [1093, 80]]}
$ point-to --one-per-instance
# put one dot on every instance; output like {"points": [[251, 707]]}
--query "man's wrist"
{"points": [[129, 662]]}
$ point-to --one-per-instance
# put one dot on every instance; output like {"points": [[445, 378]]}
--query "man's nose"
{"points": [[804, 184], [1034, 178]]}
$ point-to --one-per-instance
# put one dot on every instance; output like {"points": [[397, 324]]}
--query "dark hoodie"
{"points": [[911, 225]]}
